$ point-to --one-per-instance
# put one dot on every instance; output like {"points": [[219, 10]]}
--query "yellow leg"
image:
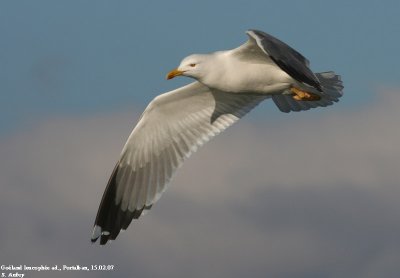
{"points": [[304, 96]]}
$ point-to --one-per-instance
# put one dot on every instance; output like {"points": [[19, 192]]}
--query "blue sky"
{"points": [[83, 57], [310, 194]]}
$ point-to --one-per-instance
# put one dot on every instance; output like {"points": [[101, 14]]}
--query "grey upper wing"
{"points": [[172, 127], [288, 59]]}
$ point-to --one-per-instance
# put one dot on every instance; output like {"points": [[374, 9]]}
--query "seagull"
{"points": [[228, 84]]}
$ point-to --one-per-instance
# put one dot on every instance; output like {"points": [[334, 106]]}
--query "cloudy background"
{"points": [[311, 194]]}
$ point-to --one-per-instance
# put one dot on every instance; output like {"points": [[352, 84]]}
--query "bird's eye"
{"points": [[192, 65]]}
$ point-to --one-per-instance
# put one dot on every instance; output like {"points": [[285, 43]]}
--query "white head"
{"points": [[192, 66]]}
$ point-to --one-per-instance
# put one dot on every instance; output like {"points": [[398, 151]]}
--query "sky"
{"points": [[310, 194]]}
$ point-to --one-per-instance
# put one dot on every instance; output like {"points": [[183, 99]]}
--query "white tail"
{"points": [[332, 90]]}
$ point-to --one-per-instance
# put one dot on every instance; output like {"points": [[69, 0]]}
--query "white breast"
{"points": [[232, 74]]}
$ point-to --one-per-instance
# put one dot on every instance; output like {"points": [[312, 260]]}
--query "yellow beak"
{"points": [[173, 73]]}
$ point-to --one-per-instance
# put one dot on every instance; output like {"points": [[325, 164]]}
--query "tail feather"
{"points": [[332, 90]]}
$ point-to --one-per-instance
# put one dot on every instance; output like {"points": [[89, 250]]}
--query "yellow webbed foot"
{"points": [[303, 95]]}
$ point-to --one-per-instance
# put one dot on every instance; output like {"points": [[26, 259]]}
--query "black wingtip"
{"points": [[96, 233], [104, 236], [111, 219], [104, 239]]}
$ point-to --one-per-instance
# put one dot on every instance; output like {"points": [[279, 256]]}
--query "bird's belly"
{"points": [[256, 78]]}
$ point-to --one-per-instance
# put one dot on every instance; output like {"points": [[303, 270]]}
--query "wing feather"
{"points": [[171, 128], [287, 58]]}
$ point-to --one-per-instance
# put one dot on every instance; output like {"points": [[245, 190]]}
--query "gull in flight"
{"points": [[228, 84]]}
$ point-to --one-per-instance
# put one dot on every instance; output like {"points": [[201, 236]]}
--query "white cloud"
{"points": [[305, 194]]}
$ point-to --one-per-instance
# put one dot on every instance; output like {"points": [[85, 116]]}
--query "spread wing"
{"points": [[288, 59], [171, 128]]}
